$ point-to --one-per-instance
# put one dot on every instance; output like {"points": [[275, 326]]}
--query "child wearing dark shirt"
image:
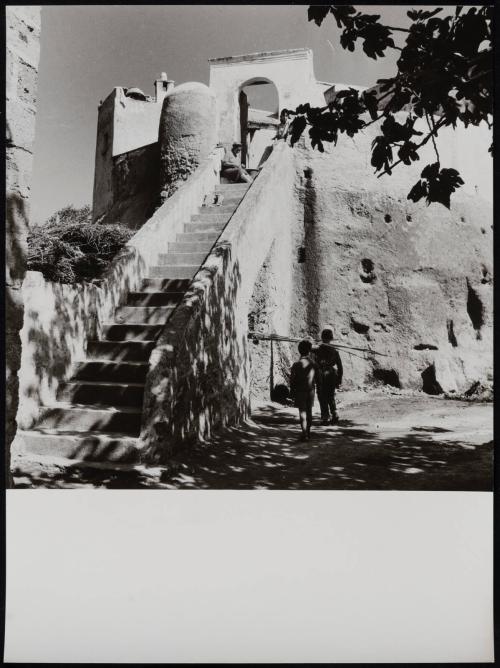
{"points": [[329, 377], [302, 384]]}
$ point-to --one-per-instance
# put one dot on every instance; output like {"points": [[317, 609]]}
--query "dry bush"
{"points": [[70, 248]]}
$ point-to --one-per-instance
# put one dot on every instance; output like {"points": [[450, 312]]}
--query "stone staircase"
{"points": [[99, 409]]}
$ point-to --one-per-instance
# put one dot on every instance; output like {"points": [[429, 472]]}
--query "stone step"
{"points": [[232, 188], [182, 258], [190, 247], [89, 446], [109, 372], [150, 315], [202, 226], [155, 298], [195, 237], [68, 417], [107, 394], [217, 218], [227, 207], [174, 271], [123, 351], [165, 285], [132, 332]]}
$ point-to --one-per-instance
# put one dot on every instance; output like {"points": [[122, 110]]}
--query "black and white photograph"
{"points": [[249, 333], [263, 261]]}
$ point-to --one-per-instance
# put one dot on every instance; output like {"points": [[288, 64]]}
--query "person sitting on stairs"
{"points": [[231, 168]]}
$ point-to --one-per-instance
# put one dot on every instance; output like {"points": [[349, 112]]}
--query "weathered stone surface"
{"points": [[187, 133], [393, 275], [23, 33]]}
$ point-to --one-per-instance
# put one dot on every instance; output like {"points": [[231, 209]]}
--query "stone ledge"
{"points": [[285, 54]]}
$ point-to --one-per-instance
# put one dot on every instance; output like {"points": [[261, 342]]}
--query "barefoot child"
{"points": [[302, 384]]}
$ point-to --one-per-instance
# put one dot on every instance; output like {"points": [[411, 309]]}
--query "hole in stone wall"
{"points": [[429, 382], [387, 218], [483, 231], [308, 172], [367, 275], [301, 254], [387, 376], [408, 218], [359, 327], [425, 346], [451, 333], [475, 309], [486, 275]]}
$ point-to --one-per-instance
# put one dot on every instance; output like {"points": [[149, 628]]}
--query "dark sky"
{"points": [[87, 50]]}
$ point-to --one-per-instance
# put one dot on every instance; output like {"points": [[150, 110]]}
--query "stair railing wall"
{"points": [[199, 375]]}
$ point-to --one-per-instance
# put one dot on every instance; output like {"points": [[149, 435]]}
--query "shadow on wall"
{"points": [[311, 254], [199, 370], [16, 228], [59, 321]]}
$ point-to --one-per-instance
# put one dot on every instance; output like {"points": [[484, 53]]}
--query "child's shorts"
{"points": [[304, 400]]}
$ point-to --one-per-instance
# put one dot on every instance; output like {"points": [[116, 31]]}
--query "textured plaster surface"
{"points": [[187, 133], [391, 274]]}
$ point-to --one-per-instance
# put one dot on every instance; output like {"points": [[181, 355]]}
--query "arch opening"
{"points": [[258, 105]]}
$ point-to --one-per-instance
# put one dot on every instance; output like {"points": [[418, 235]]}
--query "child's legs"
{"points": [[301, 403], [332, 404], [309, 407]]}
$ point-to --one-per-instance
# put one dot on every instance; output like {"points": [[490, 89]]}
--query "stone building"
{"points": [[316, 239]]}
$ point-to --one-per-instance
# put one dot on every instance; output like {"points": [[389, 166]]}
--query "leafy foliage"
{"points": [[70, 248], [444, 76]]}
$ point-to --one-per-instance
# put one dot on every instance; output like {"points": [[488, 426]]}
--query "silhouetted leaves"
{"points": [[317, 13], [444, 75], [436, 185]]}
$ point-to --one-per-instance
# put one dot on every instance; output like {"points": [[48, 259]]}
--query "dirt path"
{"points": [[383, 441]]}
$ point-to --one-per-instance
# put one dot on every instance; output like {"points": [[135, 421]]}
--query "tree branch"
{"points": [[432, 128], [424, 141]]}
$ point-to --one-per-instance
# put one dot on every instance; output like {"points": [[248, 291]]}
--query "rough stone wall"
{"points": [[127, 162], [134, 187], [187, 133], [22, 57], [269, 311], [199, 376], [411, 281]]}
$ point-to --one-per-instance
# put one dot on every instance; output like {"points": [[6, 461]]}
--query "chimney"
{"points": [[162, 86]]}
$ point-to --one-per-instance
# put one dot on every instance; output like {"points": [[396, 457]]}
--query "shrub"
{"points": [[70, 248]]}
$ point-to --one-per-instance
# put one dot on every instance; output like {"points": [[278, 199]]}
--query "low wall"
{"points": [[60, 319], [199, 376]]}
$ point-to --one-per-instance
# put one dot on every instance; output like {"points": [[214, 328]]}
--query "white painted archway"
{"points": [[291, 71]]}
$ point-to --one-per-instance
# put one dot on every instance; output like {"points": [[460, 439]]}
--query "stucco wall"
{"points": [[60, 319], [135, 187], [22, 57], [290, 71], [392, 274], [126, 159], [199, 377], [136, 122], [187, 133]]}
